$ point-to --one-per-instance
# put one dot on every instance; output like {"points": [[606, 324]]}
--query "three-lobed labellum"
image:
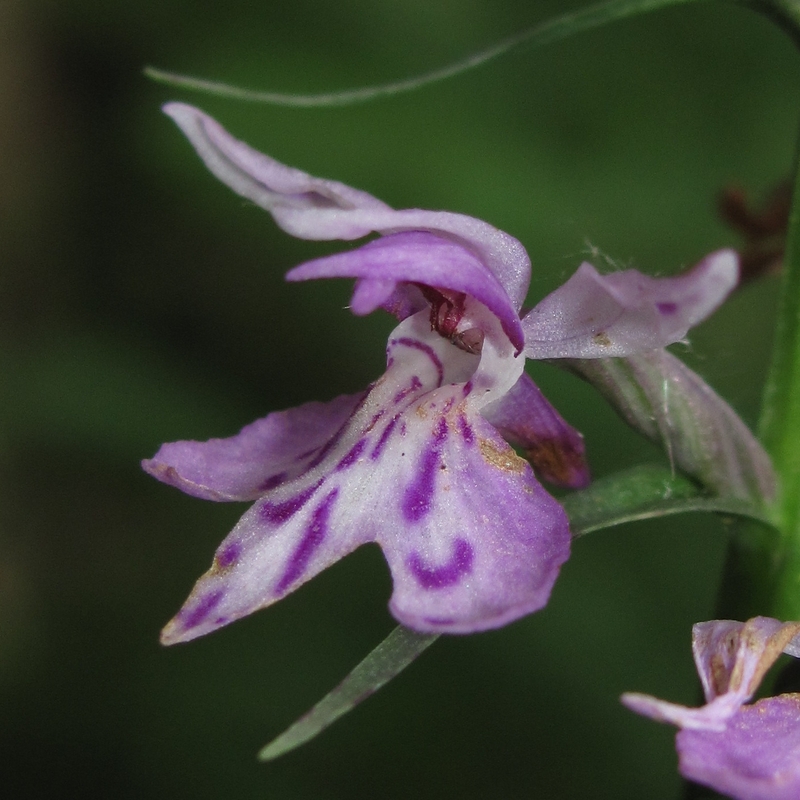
{"points": [[401, 446]]}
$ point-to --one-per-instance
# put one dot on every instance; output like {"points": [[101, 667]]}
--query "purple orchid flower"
{"points": [[749, 752], [419, 462]]}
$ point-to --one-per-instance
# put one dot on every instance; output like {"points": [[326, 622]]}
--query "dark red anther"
{"points": [[447, 311]]}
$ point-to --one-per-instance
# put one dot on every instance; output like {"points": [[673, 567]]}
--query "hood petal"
{"points": [[733, 657], [313, 208], [415, 257]]}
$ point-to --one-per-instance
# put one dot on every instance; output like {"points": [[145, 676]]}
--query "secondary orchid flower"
{"points": [[750, 752], [419, 462]]}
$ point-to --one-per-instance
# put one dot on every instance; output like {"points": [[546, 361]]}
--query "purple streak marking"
{"points": [[387, 432], [280, 512], [418, 496], [667, 308], [451, 573], [273, 481], [465, 429], [440, 620], [198, 614], [374, 421], [423, 348], [440, 431], [355, 451], [328, 446], [416, 383], [467, 388], [229, 554], [334, 440], [312, 539]]}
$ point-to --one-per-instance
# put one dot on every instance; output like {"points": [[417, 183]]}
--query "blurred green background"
{"points": [[141, 301]]}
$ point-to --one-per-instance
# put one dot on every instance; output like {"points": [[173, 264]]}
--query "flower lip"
{"points": [[413, 466]]}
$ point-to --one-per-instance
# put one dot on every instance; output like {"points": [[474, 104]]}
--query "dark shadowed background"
{"points": [[141, 301]]}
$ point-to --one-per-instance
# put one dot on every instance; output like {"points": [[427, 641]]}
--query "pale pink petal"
{"points": [[313, 208], [757, 756], [600, 316], [658, 395], [712, 717], [263, 455]]}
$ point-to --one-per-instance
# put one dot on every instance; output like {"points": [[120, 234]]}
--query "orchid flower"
{"points": [[750, 752], [419, 462]]}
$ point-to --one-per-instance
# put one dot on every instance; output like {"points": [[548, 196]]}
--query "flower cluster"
{"points": [[750, 752], [420, 462]]}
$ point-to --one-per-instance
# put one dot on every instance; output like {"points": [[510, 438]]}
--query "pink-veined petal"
{"points": [[313, 208], [478, 542], [260, 457], [277, 546], [601, 316], [526, 419]]}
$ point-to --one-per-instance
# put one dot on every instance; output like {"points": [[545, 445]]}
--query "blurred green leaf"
{"points": [[780, 430]]}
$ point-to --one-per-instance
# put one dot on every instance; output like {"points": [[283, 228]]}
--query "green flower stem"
{"points": [[552, 30], [780, 419], [762, 574]]}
